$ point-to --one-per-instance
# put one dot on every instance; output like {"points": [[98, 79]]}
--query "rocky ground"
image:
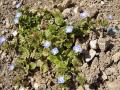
{"points": [[102, 64]]}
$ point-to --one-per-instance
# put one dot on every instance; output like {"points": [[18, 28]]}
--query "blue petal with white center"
{"points": [[11, 67], [55, 51], [60, 80], [47, 44], [69, 29], [18, 14], [77, 49], [84, 14], [2, 40]]}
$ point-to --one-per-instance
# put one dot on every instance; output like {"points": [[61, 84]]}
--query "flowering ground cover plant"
{"points": [[47, 42]]}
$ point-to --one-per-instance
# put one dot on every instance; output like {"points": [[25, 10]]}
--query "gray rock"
{"points": [[93, 44], [104, 76], [66, 12], [116, 57], [92, 53]]}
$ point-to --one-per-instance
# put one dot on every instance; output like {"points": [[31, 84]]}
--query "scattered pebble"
{"points": [[86, 87], [11, 67], [47, 44], [93, 44], [80, 88], [22, 88], [104, 76], [102, 2], [69, 29], [103, 44], [2, 40], [76, 10], [55, 51], [116, 57], [14, 33], [36, 86], [66, 12], [7, 23], [60, 79], [84, 14], [92, 54]]}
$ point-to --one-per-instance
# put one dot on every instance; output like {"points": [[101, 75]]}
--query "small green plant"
{"points": [[47, 42]]}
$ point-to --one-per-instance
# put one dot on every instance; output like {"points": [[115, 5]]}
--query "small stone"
{"points": [[66, 12], [87, 87], [116, 57], [76, 10], [36, 86], [18, 5], [66, 3], [7, 23], [80, 88], [15, 33], [102, 2], [104, 76], [93, 44], [22, 88], [92, 53], [103, 44]]}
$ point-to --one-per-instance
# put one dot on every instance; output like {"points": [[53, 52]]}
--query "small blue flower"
{"points": [[54, 51], [84, 14], [2, 39], [18, 5], [77, 48], [16, 20], [60, 80], [18, 14], [46, 44], [110, 17], [69, 29], [11, 67]]}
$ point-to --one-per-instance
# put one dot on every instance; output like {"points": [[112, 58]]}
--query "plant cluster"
{"points": [[47, 42]]}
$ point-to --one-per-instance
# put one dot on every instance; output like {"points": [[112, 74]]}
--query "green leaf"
{"points": [[32, 65], [81, 80]]}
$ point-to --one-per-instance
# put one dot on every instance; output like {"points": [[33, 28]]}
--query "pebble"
{"points": [[22, 88], [14, 33], [86, 87], [80, 88], [76, 10], [93, 44], [103, 44], [104, 76], [116, 57], [102, 2], [36, 86], [66, 12], [7, 23], [92, 54]]}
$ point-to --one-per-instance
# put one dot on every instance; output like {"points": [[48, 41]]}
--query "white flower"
{"points": [[77, 48], [16, 20], [110, 17], [2, 39], [15, 33], [54, 51], [18, 14], [11, 67], [84, 14], [46, 44], [69, 29], [60, 80]]}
